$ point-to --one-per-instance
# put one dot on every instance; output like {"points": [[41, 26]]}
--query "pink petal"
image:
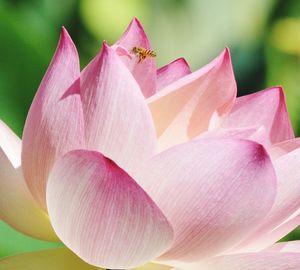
{"points": [[171, 73], [273, 236], [265, 108], [212, 191], [118, 121], [253, 261], [292, 246], [284, 147], [250, 133], [194, 103], [17, 207], [286, 203], [145, 71], [102, 214], [54, 124]]}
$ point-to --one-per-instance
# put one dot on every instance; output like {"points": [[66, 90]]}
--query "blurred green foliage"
{"points": [[264, 38]]}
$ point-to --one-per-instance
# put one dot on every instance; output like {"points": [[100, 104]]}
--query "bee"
{"points": [[142, 53]]}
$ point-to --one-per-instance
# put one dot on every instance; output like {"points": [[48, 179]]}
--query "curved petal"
{"points": [[153, 266], [275, 235], [171, 73], [54, 124], [102, 214], [145, 71], [286, 203], [282, 148], [10, 145], [17, 207], [252, 261], [265, 108], [58, 259], [291, 246], [194, 103], [213, 191], [118, 121]]}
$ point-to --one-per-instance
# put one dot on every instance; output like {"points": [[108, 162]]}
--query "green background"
{"points": [[264, 38]]}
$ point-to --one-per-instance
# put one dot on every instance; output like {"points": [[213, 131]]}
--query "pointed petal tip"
{"points": [[66, 42], [226, 55], [65, 36], [136, 22]]}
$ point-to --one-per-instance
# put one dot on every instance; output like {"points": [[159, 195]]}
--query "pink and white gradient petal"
{"points": [[195, 103], [287, 202], [17, 206], [266, 260], [171, 73], [213, 191], [102, 214], [145, 71], [117, 119], [265, 108], [54, 124]]}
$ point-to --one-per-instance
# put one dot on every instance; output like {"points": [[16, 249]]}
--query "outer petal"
{"points": [[292, 246], [102, 214], [252, 261], [265, 108], [282, 148], [286, 203], [195, 103], [278, 233], [145, 71], [171, 73], [17, 207], [58, 259], [212, 191], [118, 121], [54, 124], [153, 266]]}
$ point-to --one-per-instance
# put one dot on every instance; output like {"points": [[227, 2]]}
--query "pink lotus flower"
{"points": [[130, 164]]}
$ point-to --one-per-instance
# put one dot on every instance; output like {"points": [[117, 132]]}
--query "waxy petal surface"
{"points": [[287, 198], [284, 147], [272, 236], [118, 121], [171, 73], [252, 261], [265, 108], [195, 103], [54, 124], [145, 71], [102, 214], [17, 206], [213, 191]]}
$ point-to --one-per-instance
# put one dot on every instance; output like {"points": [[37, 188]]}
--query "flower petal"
{"points": [[252, 261], [284, 147], [145, 71], [118, 121], [265, 108], [153, 266], [17, 207], [171, 73], [217, 189], [194, 103], [58, 259], [271, 237], [291, 246], [286, 203], [102, 214], [54, 124]]}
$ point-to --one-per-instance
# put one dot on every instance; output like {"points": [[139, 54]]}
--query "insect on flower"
{"points": [[142, 53]]}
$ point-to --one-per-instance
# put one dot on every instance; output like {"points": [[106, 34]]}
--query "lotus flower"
{"points": [[127, 164]]}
